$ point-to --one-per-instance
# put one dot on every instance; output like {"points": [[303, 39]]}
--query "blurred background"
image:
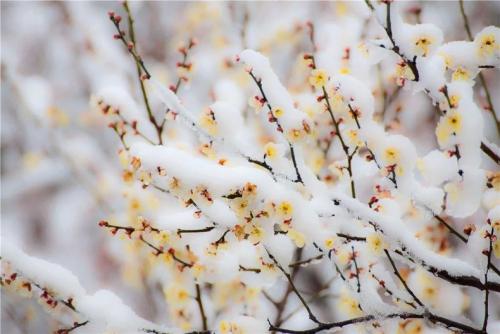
{"points": [[59, 168]]}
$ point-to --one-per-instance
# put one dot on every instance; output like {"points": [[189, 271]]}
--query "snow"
{"points": [[48, 275], [392, 228], [103, 309], [226, 177]]}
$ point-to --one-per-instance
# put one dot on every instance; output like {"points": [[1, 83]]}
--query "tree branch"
{"points": [[200, 306], [292, 285]]}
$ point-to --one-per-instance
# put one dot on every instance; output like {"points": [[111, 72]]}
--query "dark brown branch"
{"points": [[258, 82], [357, 269], [255, 270], [489, 152], [325, 96], [292, 285], [261, 164], [183, 63], [200, 306], [388, 291], [121, 36], [133, 48], [171, 252], [487, 291], [464, 239], [396, 272], [306, 261], [72, 328], [280, 306], [451, 229], [201, 230], [350, 237], [481, 76], [460, 280], [412, 64], [448, 323], [345, 148]]}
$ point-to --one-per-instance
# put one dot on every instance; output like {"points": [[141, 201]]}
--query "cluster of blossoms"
{"points": [[229, 207]]}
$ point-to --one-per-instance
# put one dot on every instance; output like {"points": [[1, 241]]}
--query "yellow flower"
{"points": [[297, 237], [349, 305], [375, 243], [487, 45], [317, 163], [167, 258], [496, 248], [185, 325], [460, 74], [271, 150], [175, 294], [454, 121], [163, 237], [197, 270], [249, 189], [330, 243], [442, 133], [145, 178], [123, 157], [353, 136], [448, 125], [285, 209], [208, 123], [344, 70], [336, 100], [454, 99], [422, 45], [240, 206], [448, 59], [318, 78], [344, 256], [256, 234], [208, 151], [295, 135], [224, 327], [410, 327], [399, 170], [135, 204], [341, 9], [252, 292], [404, 71], [429, 289], [391, 155], [278, 112]]}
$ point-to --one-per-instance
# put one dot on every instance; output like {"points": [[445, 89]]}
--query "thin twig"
{"points": [[72, 328], [292, 285], [481, 76], [451, 229], [396, 272], [132, 45], [487, 291], [200, 306], [258, 82], [356, 267], [427, 315]]}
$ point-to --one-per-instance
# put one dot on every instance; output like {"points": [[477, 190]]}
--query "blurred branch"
{"points": [[200, 306], [481, 76]]}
